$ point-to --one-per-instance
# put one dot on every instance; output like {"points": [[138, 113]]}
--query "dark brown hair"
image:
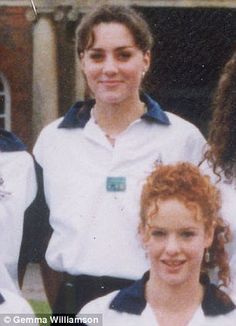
{"points": [[109, 14], [222, 132]]}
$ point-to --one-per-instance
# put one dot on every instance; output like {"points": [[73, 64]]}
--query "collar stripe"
{"points": [[79, 114], [10, 142], [132, 300]]}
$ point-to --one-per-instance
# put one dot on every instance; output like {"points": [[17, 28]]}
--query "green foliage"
{"points": [[41, 309]]}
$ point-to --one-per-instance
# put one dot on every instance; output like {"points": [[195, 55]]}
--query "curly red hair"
{"points": [[184, 181]]}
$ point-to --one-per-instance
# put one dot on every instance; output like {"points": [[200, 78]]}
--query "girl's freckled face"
{"points": [[175, 243]]}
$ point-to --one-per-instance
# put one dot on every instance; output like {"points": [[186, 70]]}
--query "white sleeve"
{"points": [[30, 180], [38, 149], [45, 142], [6, 282], [195, 146], [17, 171], [14, 304]]}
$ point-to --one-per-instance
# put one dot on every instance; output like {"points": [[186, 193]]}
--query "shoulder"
{"points": [[231, 316], [51, 127], [180, 123], [226, 320], [99, 305], [75, 118], [18, 159], [9, 142], [186, 137], [13, 152], [183, 133], [14, 303], [48, 137], [216, 304]]}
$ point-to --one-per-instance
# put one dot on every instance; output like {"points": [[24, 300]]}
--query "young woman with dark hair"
{"points": [[95, 159]]}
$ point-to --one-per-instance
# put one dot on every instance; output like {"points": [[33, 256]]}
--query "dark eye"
{"points": [[187, 234], [158, 233], [124, 55], [96, 56]]}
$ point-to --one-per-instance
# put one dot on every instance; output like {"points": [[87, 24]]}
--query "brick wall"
{"points": [[16, 65]]}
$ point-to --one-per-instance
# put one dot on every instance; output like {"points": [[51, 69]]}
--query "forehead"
{"points": [[112, 35], [173, 213]]}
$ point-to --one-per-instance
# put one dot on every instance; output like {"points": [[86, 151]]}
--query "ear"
{"points": [[147, 60]]}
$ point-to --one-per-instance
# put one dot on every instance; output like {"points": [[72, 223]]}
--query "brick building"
{"points": [[15, 70], [40, 75]]}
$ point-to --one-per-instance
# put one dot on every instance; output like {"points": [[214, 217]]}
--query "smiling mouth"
{"points": [[110, 82], [173, 263]]}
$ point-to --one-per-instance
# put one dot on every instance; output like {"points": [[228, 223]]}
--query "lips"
{"points": [[173, 265], [110, 82], [173, 262]]}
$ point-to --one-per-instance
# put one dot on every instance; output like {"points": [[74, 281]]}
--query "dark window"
{"points": [[4, 104], [191, 47]]}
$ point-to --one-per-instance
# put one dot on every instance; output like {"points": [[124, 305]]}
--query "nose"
{"points": [[110, 65], [172, 245]]}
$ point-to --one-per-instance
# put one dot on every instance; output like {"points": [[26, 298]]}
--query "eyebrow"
{"points": [[180, 229], [120, 48]]}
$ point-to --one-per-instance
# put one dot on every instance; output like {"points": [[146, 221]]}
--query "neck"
{"points": [[173, 298], [115, 118]]}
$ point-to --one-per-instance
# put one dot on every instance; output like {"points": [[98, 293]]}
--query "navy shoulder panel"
{"points": [[9, 142], [215, 302]]}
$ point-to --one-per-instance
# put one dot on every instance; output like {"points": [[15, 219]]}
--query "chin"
{"points": [[177, 280], [112, 98], [174, 279]]}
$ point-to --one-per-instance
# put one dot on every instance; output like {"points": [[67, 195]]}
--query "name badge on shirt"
{"points": [[116, 184]]}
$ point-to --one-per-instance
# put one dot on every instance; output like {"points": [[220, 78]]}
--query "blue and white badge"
{"points": [[116, 184]]}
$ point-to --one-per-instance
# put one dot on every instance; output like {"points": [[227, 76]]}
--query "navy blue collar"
{"points": [[132, 299], [9, 142], [79, 113]]}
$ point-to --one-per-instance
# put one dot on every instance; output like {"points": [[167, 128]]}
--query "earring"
{"points": [[207, 256], [143, 74]]}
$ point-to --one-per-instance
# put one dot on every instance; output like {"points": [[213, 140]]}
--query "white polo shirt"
{"points": [[17, 191], [128, 307], [95, 227]]}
